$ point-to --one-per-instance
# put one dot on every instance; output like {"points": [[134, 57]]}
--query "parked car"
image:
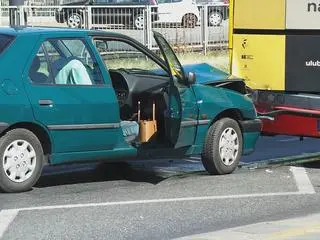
{"points": [[218, 11], [104, 12], [183, 12], [69, 97]]}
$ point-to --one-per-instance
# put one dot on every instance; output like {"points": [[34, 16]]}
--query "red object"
{"points": [[298, 110], [290, 124]]}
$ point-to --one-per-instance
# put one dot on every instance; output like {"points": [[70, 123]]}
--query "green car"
{"points": [[72, 96]]}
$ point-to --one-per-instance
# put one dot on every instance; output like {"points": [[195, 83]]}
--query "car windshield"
{"points": [[123, 55], [5, 40]]}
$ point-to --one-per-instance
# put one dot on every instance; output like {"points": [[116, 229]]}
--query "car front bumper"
{"points": [[251, 125], [251, 132]]}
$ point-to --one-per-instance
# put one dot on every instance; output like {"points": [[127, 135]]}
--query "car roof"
{"points": [[22, 30]]}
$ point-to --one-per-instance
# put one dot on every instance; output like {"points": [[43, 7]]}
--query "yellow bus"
{"points": [[275, 46]]}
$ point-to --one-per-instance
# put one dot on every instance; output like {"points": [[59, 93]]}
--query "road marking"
{"points": [[164, 200], [302, 180], [6, 217]]}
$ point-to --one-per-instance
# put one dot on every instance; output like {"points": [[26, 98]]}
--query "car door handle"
{"points": [[44, 102]]}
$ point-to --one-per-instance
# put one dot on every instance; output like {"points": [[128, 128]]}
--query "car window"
{"points": [[171, 59], [164, 1], [52, 52], [39, 71], [103, 1], [65, 61], [5, 40], [118, 54]]}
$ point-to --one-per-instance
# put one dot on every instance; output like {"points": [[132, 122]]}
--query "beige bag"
{"points": [[148, 128]]}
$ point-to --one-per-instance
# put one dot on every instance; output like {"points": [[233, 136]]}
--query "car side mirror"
{"points": [[191, 79]]}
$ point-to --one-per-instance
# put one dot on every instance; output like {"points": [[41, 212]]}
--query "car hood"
{"points": [[206, 73], [211, 76]]}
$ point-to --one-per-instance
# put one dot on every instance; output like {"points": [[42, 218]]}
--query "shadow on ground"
{"points": [[96, 173], [315, 165]]}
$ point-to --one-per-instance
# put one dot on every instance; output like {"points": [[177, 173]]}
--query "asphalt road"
{"points": [[161, 199]]}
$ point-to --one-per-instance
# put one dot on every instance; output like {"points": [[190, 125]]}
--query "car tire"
{"points": [[189, 20], [223, 147], [138, 21], [215, 18], [21, 160], [74, 20]]}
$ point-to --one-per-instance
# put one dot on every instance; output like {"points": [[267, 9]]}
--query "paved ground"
{"points": [[161, 200], [302, 228]]}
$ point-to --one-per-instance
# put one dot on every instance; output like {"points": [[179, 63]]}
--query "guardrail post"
{"points": [[21, 16], [204, 28], [13, 16], [0, 12], [88, 17], [147, 36]]}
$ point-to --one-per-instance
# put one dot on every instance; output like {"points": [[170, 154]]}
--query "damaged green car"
{"points": [[71, 97]]}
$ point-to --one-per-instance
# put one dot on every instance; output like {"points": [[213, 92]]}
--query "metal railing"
{"points": [[203, 29]]}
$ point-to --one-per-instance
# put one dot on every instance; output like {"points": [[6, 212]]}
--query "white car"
{"points": [[184, 12]]}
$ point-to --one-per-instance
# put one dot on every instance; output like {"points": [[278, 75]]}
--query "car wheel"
{"points": [[21, 160], [138, 21], [74, 20], [215, 18], [223, 147], [189, 20]]}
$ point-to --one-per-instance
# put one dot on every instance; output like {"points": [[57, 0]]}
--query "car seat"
{"points": [[130, 130], [34, 74]]}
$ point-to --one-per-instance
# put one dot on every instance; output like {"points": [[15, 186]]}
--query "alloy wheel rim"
{"points": [[19, 161], [139, 22], [74, 21], [229, 146], [215, 19]]}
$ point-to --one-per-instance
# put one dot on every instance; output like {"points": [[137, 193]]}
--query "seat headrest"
{"points": [[35, 64]]}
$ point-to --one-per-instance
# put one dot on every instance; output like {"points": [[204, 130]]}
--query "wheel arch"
{"points": [[233, 113], [188, 14], [41, 133], [217, 10]]}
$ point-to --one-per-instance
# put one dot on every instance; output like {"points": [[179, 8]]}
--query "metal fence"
{"points": [[203, 29]]}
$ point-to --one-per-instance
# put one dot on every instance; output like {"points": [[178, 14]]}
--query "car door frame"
{"points": [[120, 143], [190, 123], [155, 58]]}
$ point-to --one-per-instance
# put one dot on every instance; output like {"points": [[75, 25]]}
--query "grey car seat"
{"points": [[34, 74]]}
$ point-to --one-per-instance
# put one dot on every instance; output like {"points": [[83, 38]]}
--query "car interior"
{"points": [[142, 93], [137, 93]]}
